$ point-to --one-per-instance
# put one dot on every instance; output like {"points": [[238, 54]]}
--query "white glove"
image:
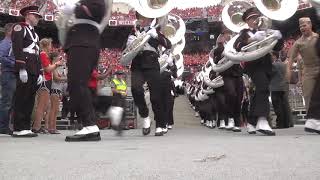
{"points": [[259, 36], [172, 93], [153, 33], [23, 75], [170, 60], [277, 34], [40, 79]]}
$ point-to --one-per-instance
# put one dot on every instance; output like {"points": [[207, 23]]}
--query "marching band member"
{"points": [[25, 45], [145, 68], [233, 86], [166, 91], [82, 49], [259, 71]]}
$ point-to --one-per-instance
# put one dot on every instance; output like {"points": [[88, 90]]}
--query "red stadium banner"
{"points": [[1, 10], [48, 17], [125, 23], [14, 12]]}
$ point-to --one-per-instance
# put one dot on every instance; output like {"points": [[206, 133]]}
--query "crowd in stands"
{"points": [[210, 11], [122, 16], [198, 12], [49, 7], [110, 59], [196, 59], [214, 10]]}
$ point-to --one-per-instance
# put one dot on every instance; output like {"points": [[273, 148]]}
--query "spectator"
{"points": [[279, 88], [8, 79]]}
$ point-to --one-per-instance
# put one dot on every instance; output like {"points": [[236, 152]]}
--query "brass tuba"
{"points": [[173, 28], [149, 9]]}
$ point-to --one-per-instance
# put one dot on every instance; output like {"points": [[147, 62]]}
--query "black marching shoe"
{"points": [[159, 132], [84, 137], [146, 126], [24, 134], [267, 132], [236, 129], [264, 127], [146, 131]]}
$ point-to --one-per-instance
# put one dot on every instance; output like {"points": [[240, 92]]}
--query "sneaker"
{"points": [[170, 127], [222, 124], [251, 129], [230, 124], [236, 129], [312, 125], [159, 132], [214, 124], [164, 130], [264, 127]]}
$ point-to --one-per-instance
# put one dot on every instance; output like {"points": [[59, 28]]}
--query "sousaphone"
{"points": [[149, 9], [271, 9]]}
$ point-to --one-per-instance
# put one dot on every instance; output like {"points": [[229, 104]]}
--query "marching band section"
{"points": [[252, 79]]}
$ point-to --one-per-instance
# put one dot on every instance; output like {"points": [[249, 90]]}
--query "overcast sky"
{"points": [[186, 3]]}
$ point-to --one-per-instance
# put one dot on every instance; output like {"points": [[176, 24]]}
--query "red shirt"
{"points": [[93, 82], [45, 62]]}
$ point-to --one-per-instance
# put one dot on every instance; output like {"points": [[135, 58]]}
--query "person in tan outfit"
{"points": [[305, 47]]}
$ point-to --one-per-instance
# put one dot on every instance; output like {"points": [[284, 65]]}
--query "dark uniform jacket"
{"points": [[149, 59], [234, 71], [25, 39], [84, 34]]}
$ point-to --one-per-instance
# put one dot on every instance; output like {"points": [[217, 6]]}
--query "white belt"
{"points": [[30, 51], [87, 21]]}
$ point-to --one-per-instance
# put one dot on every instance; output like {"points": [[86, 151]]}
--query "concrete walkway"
{"points": [[187, 152]]}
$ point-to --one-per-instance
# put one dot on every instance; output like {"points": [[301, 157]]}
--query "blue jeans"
{"points": [[8, 87]]}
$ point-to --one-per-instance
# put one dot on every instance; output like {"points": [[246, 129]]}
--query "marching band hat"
{"points": [[251, 12], [30, 9]]}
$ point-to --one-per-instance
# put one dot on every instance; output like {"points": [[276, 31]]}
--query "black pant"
{"points": [[233, 87], [314, 107], [170, 107], [167, 104], [23, 103], [220, 103], [281, 108], [152, 77], [259, 106], [81, 62]]}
